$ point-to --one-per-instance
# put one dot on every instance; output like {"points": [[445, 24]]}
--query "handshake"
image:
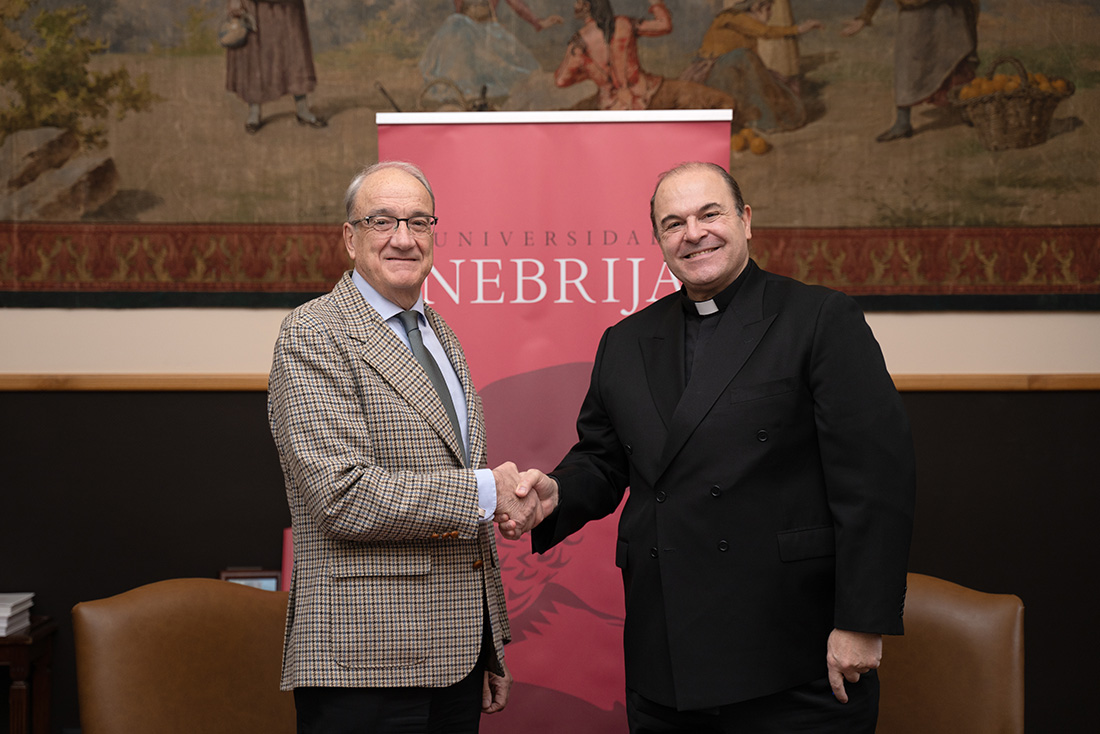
{"points": [[524, 499]]}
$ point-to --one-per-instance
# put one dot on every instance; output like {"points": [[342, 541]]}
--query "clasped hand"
{"points": [[524, 499]]}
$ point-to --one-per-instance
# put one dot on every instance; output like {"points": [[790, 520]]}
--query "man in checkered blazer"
{"points": [[397, 619]]}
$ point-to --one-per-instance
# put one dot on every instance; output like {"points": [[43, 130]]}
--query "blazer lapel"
{"points": [[741, 329], [475, 426], [392, 360]]}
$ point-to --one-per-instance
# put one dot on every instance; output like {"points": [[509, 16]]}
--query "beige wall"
{"points": [[239, 341]]}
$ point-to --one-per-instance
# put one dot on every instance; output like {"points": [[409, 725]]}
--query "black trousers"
{"points": [[455, 709], [807, 708]]}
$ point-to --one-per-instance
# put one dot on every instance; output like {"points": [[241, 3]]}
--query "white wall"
{"points": [[239, 341], [989, 343]]}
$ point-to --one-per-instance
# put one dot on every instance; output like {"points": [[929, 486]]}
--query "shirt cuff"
{"points": [[486, 493]]}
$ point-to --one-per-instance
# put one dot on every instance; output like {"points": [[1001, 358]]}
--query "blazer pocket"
{"points": [[745, 393], [805, 543], [379, 606], [369, 560]]}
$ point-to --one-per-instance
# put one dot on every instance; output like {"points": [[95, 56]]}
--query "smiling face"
{"points": [[704, 240], [394, 263]]}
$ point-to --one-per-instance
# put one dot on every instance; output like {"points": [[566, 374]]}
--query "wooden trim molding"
{"points": [[997, 383], [155, 382]]}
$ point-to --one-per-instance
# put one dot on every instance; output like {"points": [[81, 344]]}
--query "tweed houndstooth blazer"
{"points": [[392, 569]]}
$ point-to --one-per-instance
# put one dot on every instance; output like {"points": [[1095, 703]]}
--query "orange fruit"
{"points": [[759, 146], [1061, 86], [747, 133], [738, 142]]}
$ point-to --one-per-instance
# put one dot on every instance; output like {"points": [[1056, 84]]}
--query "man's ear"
{"points": [[349, 239]]}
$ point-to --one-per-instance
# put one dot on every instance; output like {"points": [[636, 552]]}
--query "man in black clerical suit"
{"points": [[765, 536]]}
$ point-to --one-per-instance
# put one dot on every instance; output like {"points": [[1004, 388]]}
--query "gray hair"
{"points": [[357, 182], [731, 183]]}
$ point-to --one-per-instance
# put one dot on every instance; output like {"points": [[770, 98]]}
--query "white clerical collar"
{"points": [[706, 308]]}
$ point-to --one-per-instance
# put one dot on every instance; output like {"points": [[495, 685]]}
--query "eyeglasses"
{"points": [[383, 224]]}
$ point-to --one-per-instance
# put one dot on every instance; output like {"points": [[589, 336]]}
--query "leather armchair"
{"points": [[183, 656], [959, 667]]}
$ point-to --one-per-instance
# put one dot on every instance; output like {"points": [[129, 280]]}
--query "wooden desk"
{"points": [[29, 654]]}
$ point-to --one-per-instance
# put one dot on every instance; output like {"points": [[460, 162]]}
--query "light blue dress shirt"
{"points": [[486, 485]]}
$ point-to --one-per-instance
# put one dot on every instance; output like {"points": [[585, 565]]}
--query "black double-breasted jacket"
{"points": [[770, 499]]}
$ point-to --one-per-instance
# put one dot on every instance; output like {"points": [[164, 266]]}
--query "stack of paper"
{"points": [[15, 612]]}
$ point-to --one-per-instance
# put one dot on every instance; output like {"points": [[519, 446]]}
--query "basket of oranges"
{"points": [[1012, 110]]}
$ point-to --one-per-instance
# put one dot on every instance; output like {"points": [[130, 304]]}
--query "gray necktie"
{"points": [[416, 340]]}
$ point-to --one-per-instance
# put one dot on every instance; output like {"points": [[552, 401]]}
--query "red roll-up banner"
{"points": [[543, 242]]}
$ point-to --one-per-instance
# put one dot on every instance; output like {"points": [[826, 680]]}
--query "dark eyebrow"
{"points": [[700, 210]]}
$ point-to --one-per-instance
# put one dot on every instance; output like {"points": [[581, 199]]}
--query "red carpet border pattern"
{"points": [[228, 258]]}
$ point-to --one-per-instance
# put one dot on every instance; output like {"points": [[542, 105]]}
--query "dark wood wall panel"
{"points": [[104, 491]]}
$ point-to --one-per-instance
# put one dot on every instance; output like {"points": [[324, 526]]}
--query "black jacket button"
{"points": [[652, 552], [715, 491], [723, 546], [661, 496], [761, 435]]}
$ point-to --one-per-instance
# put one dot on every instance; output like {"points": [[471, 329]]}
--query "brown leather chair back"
{"points": [[183, 656], [959, 667]]}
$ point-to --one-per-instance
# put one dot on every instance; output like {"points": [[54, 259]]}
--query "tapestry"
{"points": [[196, 153]]}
